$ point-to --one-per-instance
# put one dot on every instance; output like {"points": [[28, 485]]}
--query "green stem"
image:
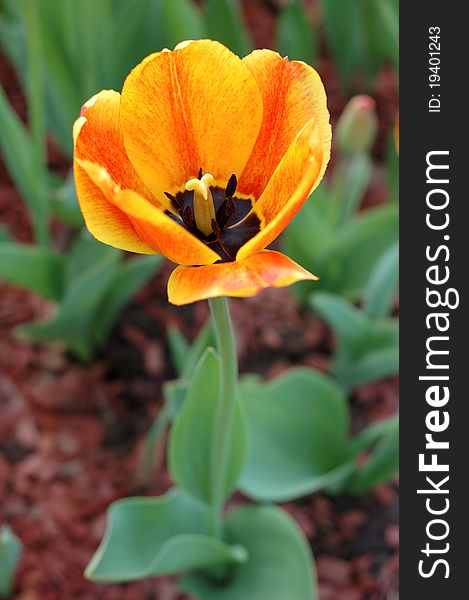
{"points": [[225, 409]]}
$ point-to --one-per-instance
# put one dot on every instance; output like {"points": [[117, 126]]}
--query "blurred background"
{"points": [[87, 337]]}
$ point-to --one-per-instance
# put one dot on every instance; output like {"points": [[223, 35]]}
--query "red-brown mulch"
{"points": [[71, 442]]}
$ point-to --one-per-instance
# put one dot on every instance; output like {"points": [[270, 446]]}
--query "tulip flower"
{"points": [[205, 158]]}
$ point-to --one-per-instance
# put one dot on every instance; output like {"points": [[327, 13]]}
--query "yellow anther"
{"points": [[204, 210]]}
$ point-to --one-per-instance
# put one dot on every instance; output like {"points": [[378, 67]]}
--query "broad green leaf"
{"points": [[381, 288], [368, 475], [10, 554], [375, 365], [225, 23], [347, 263], [75, 319], [131, 276], [372, 434], [32, 267], [368, 349], [146, 537], [279, 567], [190, 445], [84, 254], [174, 393], [296, 37], [183, 20], [298, 426], [381, 464], [350, 325]]}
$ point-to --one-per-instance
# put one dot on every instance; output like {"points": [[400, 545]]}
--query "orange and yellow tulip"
{"points": [[205, 158]]}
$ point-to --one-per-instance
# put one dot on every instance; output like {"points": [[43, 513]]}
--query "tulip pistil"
{"points": [[204, 209], [215, 215]]}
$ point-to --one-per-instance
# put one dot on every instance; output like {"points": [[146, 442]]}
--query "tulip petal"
{"points": [[296, 176], [154, 228], [195, 107], [292, 95], [97, 139], [240, 278]]}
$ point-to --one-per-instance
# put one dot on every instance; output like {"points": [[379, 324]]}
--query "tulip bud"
{"points": [[357, 126]]}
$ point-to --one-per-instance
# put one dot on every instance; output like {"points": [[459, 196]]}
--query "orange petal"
{"points": [[155, 229], [299, 172], [240, 278], [292, 94], [97, 138], [195, 107]]}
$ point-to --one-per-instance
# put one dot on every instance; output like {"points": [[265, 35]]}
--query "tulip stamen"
{"points": [[231, 186], [217, 231], [204, 209], [174, 201]]}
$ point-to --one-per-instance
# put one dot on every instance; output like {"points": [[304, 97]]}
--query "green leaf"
{"points": [[146, 537], [348, 262], [349, 324], [373, 435], [375, 365], [351, 180], [10, 555], [5, 235], [382, 463], [183, 20], [18, 153], [368, 349], [179, 347], [225, 23], [364, 39], [134, 26], [279, 566], [186, 357], [64, 203], [296, 37], [84, 254], [298, 426], [131, 276], [190, 445], [381, 288], [76, 315], [174, 393], [32, 267]]}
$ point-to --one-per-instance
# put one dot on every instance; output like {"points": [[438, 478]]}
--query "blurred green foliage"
{"points": [[362, 37], [11, 550], [57, 62]]}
